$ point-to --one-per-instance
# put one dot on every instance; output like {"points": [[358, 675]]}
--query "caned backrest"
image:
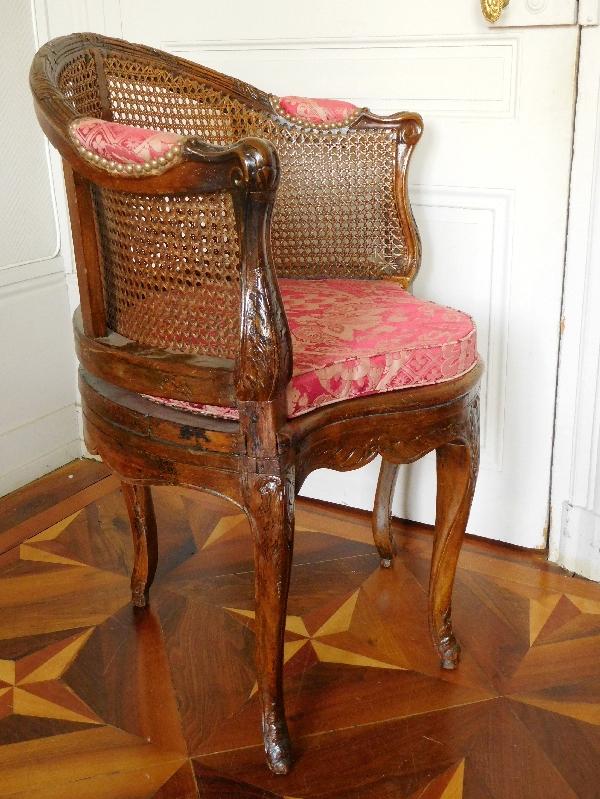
{"points": [[171, 264]]}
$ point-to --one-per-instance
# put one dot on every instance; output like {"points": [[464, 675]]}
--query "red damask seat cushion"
{"points": [[352, 338]]}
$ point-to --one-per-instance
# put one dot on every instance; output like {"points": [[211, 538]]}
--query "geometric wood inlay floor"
{"points": [[102, 701]]}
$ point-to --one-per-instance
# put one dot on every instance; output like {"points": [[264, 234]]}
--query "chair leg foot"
{"points": [[451, 662], [382, 513], [457, 467], [269, 501], [447, 645], [278, 747], [140, 507], [140, 595]]}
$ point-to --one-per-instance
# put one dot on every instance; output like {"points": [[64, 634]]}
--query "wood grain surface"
{"points": [[107, 701]]}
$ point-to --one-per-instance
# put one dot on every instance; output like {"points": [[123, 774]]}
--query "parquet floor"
{"points": [[100, 701]]}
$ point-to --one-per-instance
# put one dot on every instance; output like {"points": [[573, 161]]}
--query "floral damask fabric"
{"points": [[122, 143], [353, 338], [317, 110], [206, 410]]}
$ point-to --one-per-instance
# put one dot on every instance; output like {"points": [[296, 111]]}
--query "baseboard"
{"points": [[38, 447], [580, 541], [410, 528]]}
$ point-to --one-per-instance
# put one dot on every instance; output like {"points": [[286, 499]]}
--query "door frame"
{"points": [[574, 540]]}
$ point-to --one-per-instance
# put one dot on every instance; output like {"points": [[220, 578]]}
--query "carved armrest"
{"points": [[127, 159]]}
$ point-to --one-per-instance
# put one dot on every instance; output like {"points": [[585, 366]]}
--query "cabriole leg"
{"points": [[382, 513], [270, 508], [145, 541], [457, 466]]}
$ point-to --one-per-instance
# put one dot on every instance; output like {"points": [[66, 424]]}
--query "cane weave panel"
{"points": [[171, 270], [78, 82], [335, 213], [145, 96], [170, 281]]}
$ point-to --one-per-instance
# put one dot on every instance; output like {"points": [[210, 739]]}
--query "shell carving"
{"points": [[492, 9]]}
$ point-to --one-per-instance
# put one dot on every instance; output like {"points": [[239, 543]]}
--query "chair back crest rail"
{"points": [[183, 265]]}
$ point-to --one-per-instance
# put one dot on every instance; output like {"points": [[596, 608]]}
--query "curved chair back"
{"points": [[171, 262]]}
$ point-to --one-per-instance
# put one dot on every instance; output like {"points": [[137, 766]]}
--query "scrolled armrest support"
{"points": [[264, 364], [253, 163]]}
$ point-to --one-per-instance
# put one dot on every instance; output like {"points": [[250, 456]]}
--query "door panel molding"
{"points": [[54, 18], [450, 216], [465, 76]]}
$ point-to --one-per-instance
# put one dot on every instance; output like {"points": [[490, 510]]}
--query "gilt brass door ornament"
{"points": [[493, 8]]}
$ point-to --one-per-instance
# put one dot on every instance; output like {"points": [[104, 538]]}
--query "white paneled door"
{"points": [[489, 184]]}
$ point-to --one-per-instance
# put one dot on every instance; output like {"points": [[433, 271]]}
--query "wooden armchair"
{"points": [[243, 263]]}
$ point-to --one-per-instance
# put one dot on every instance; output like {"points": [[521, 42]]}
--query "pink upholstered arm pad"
{"points": [[317, 111], [123, 148]]}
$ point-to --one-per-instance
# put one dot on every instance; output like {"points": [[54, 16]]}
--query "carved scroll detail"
{"points": [[264, 366], [392, 440]]}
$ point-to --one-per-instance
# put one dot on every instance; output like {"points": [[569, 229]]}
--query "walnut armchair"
{"points": [[243, 263]]}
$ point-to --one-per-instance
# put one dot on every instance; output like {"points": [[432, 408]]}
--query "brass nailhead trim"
{"points": [[154, 167], [305, 123]]}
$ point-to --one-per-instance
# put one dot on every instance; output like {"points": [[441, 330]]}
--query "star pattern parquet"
{"points": [[100, 700]]}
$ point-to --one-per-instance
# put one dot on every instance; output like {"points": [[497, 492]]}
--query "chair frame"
{"points": [[260, 462]]}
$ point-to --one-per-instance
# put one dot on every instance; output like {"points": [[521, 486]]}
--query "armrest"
{"points": [[190, 165], [249, 170]]}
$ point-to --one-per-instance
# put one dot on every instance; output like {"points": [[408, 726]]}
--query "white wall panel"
{"points": [[538, 12], [38, 422], [39, 447], [467, 244], [28, 230], [575, 500]]}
